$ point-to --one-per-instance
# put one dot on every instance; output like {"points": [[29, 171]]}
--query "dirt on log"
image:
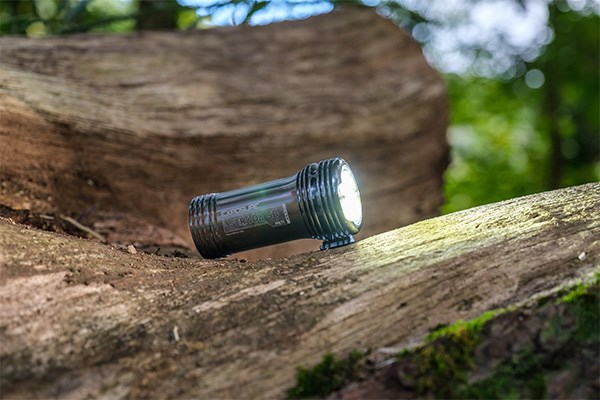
{"points": [[120, 132], [81, 319]]}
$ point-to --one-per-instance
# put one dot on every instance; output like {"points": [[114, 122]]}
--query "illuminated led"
{"points": [[349, 196], [322, 201]]}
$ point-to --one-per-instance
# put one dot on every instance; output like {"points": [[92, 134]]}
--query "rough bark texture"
{"points": [[120, 132], [547, 348], [81, 319]]}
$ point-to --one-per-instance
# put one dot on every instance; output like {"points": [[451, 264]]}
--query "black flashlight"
{"points": [[322, 201]]}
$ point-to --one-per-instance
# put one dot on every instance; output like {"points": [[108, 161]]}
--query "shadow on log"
{"points": [[121, 132], [83, 319]]}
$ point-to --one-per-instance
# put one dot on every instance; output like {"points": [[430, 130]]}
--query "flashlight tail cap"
{"points": [[203, 220]]}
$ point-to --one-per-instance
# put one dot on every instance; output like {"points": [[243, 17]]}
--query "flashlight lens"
{"points": [[349, 197]]}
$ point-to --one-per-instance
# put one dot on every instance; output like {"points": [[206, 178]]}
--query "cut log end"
{"points": [[121, 132]]}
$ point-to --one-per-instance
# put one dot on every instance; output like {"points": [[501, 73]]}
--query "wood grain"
{"points": [[79, 319]]}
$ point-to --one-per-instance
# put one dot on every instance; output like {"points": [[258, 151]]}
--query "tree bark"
{"points": [[80, 319], [121, 132]]}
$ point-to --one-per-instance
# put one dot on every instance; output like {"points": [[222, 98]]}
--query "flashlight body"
{"points": [[300, 206], [247, 218]]}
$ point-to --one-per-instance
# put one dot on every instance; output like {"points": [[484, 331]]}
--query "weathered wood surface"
{"points": [[120, 132], [81, 319]]}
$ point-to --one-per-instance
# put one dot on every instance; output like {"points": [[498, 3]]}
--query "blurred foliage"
{"points": [[52, 17], [569, 99], [37, 18], [509, 139], [496, 151], [524, 115]]}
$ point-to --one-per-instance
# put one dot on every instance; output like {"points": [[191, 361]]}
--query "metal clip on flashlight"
{"points": [[322, 201]]}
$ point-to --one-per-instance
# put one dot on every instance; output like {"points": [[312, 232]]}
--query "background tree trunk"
{"points": [[120, 132], [81, 319]]}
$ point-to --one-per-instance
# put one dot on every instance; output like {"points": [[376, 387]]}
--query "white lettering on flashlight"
{"points": [[237, 210]]}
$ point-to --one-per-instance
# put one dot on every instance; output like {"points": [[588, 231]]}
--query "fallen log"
{"points": [[121, 132], [78, 318]]}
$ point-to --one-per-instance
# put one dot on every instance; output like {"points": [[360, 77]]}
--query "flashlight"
{"points": [[322, 201]]}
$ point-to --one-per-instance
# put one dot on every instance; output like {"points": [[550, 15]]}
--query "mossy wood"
{"points": [[121, 132], [80, 319], [547, 347]]}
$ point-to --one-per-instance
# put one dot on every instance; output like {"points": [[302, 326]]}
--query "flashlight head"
{"points": [[329, 201]]}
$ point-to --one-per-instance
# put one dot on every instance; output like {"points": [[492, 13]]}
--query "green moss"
{"points": [[582, 301], [404, 353], [445, 361], [329, 375], [573, 294], [442, 365], [460, 327], [517, 377], [586, 308]]}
